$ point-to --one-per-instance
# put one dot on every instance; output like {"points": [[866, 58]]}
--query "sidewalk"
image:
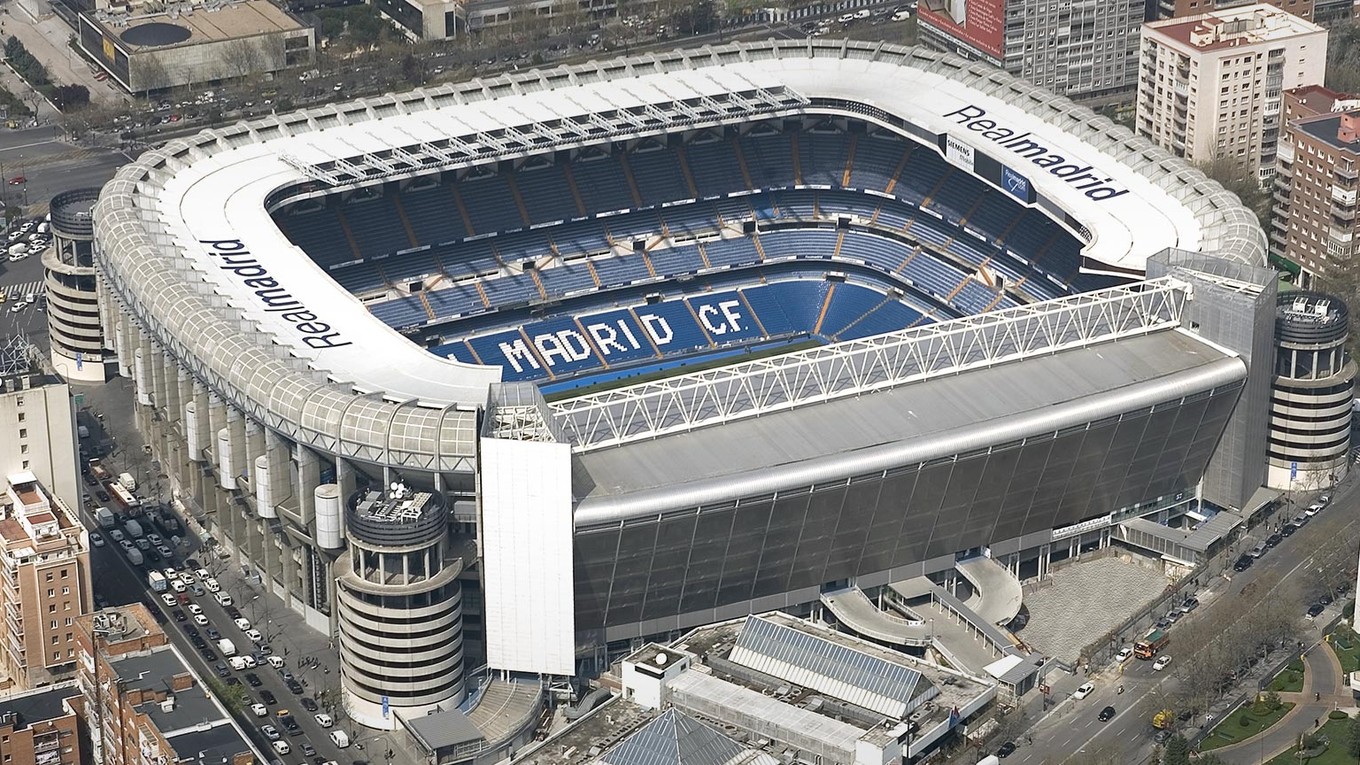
{"points": [[46, 39], [1323, 678]]}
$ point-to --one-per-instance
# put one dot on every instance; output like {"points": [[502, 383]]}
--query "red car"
{"points": [[18, 180]]}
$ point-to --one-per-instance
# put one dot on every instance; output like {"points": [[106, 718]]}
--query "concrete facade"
{"points": [[1210, 85], [72, 305]]}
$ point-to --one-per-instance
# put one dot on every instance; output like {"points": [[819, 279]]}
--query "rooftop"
{"points": [[910, 423], [447, 728], [1335, 129], [228, 21], [36, 706], [1235, 27], [152, 670], [210, 744]]}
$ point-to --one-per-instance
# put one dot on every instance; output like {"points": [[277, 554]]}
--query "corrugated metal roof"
{"points": [[832, 668], [674, 739]]}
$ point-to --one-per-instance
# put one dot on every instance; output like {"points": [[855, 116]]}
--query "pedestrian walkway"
{"points": [[21, 291], [1324, 690]]}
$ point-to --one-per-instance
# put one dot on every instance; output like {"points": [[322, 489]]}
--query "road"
{"points": [[121, 583], [1071, 730]]}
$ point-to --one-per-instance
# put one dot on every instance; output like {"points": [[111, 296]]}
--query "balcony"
{"points": [[1340, 235], [1347, 170], [46, 743], [1343, 196]]}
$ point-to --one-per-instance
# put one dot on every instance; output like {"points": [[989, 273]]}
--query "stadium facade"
{"points": [[919, 274]]}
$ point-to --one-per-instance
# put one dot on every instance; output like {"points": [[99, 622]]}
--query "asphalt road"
{"points": [[1072, 731], [121, 583]]}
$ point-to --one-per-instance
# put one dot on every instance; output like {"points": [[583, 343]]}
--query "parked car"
{"points": [[1315, 610], [270, 732]]}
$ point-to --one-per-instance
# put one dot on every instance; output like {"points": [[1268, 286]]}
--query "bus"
{"points": [[122, 496], [1151, 644]]}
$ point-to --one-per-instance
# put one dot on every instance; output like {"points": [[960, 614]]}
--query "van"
{"points": [[340, 738], [222, 598]]}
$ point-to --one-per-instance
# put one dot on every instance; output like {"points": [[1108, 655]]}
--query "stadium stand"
{"points": [[948, 243]]}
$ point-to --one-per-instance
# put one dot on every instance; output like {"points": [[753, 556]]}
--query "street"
{"points": [[1070, 731]]}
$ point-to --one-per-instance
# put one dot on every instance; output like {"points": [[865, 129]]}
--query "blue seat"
{"points": [[546, 194], [876, 159], [849, 303], [714, 168], [658, 178], [565, 279], [822, 157], [433, 215], [376, 227], [769, 160], [318, 234], [615, 271], [673, 261], [602, 184], [737, 251], [401, 313], [454, 300], [489, 204]]}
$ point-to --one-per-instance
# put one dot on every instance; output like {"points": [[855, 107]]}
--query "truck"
{"points": [[127, 481], [105, 517], [157, 581], [98, 470], [134, 557], [1151, 644], [227, 647], [133, 529]]}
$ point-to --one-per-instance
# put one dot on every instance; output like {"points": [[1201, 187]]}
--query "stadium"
{"points": [[523, 370]]}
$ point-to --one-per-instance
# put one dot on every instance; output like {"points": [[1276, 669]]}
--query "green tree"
{"points": [[1343, 58], [1271, 700], [1177, 751], [1353, 737], [1242, 181]]}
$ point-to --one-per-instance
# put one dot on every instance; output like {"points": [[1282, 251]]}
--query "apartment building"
{"points": [[1086, 50], [37, 420], [45, 584], [1313, 223], [41, 727], [1327, 13], [1210, 85], [143, 703]]}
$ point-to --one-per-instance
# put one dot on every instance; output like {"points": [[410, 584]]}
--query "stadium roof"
{"points": [[912, 423], [190, 249]]}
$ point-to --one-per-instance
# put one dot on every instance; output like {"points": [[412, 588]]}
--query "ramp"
{"points": [[998, 595], [854, 609]]}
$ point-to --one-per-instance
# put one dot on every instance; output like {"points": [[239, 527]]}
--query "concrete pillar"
{"points": [[280, 468], [171, 403], [217, 420], [309, 477]]}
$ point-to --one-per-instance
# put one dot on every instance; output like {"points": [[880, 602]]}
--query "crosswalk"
{"points": [[21, 291]]}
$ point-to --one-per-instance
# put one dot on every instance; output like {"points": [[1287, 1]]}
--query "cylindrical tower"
{"points": [[1310, 406], [400, 607], [78, 349]]}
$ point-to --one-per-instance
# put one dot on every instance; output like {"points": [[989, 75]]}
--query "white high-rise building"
{"points": [[1210, 85]]}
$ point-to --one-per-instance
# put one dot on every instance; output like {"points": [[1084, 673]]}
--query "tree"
{"points": [[71, 97], [1239, 178], [413, 69], [1177, 751], [1343, 58], [242, 58], [1353, 737]]}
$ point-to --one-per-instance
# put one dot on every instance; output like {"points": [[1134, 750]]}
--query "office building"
{"points": [[1313, 223], [1210, 87], [144, 703], [44, 583], [37, 421]]}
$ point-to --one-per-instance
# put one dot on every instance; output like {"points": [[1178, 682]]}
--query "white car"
{"points": [[116, 535], [200, 620], [258, 709], [96, 540], [1161, 662], [1124, 655], [202, 573], [169, 600], [187, 577], [254, 636], [282, 747], [170, 572], [195, 609], [270, 732], [210, 584], [1085, 690], [324, 720], [242, 624]]}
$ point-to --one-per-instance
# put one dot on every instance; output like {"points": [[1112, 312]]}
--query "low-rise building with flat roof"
{"points": [[203, 43], [41, 727]]}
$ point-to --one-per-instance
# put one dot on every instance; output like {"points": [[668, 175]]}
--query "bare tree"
{"points": [[242, 58]]}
